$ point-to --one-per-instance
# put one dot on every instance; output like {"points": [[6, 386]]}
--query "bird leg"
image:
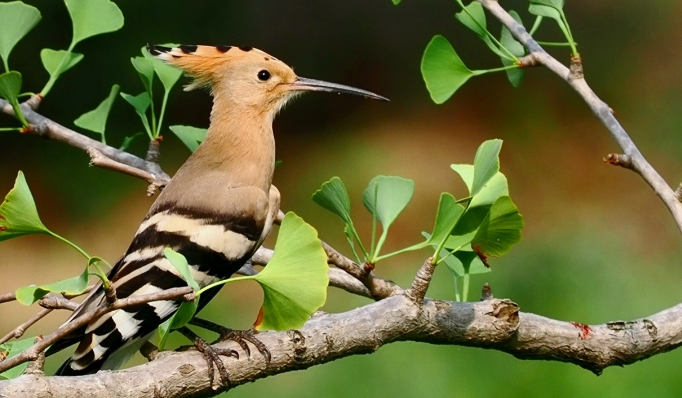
{"points": [[211, 356], [241, 337]]}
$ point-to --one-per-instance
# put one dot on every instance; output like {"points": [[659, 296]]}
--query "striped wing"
{"points": [[215, 247]]}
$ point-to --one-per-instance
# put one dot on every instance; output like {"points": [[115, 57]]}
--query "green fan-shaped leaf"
{"points": [[13, 348], [96, 119], [386, 197], [515, 76], [449, 212], [333, 196], [295, 280], [18, 213], [442, 69], [76, 285], [495, 187], [187, 309], [392, 196], [179, 261], [145, 68], [549, 12], [473, 17], [169, 75], [52, 59], [499, 230], [190, 136], [128, 140], [10, 87], [93, 17], [16, 20], [486, 164], [465, 261], [141, 103]]}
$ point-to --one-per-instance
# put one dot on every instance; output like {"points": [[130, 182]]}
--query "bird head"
{"points": [[245, 75]]}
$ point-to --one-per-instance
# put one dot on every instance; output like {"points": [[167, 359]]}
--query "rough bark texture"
{"points": [[494, 324]]}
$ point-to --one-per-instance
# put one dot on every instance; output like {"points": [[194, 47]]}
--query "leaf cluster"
{"points": [[443, 70], [465, 233]]}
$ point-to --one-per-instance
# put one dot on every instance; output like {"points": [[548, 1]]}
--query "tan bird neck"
{"points": [[239, 151]]}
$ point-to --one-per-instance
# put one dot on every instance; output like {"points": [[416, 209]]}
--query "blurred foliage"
{"points": [[597, 244]]}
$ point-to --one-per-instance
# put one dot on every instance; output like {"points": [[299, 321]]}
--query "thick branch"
{"points": [[598, 107], [44, 127], [494, 324]]}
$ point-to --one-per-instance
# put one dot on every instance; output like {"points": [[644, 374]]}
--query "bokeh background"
{"points": [[598, 245]]}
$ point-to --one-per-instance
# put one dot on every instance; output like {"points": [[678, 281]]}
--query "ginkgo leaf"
{"points": [[187, 309], [190, 136], [57, 62], [333, 196], [443, 70], [499, 230], [96, 119], [13, 348], [18, 213], [16, 19], [72, 286], [295, 280], [93, 17]]}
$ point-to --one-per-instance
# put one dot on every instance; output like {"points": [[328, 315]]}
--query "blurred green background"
{"points": [[598, 245]]}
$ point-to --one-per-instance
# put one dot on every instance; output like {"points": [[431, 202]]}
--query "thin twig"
{"points": [[55, 302], [47, 128], [21, 329], [421, 281], [601, 110], [99, 160], [7, 297]]}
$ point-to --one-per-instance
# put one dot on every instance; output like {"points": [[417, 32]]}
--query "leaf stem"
{"points": [[570, 35], [458, 298], [352, 248], [465, 286], [500, 69], [373, 247], [68, 242], [222, 282], [536, 25], [554, 44], [163, 111], [57, 72], [4, 61], [10, 128]]}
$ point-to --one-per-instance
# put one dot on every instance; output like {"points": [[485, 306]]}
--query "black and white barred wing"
{"points": [[215, 247]]}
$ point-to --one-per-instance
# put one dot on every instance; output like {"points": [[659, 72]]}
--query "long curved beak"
{"points": [[304, 84]]}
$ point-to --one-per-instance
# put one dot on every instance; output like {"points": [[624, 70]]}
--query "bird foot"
{"points": [[211, 356], [240, 337]]}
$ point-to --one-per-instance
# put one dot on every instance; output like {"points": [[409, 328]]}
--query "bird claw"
{"points": [[241, 337], [212, 357]]}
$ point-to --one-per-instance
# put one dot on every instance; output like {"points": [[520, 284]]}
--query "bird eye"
{"points": [[263, 75]]}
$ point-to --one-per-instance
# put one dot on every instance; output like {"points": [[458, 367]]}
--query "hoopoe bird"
{"points": [[216, 210]]}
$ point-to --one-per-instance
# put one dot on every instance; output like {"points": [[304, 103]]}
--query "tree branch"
{"points": [[493, 324], [601, 110], [46, 128]]}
